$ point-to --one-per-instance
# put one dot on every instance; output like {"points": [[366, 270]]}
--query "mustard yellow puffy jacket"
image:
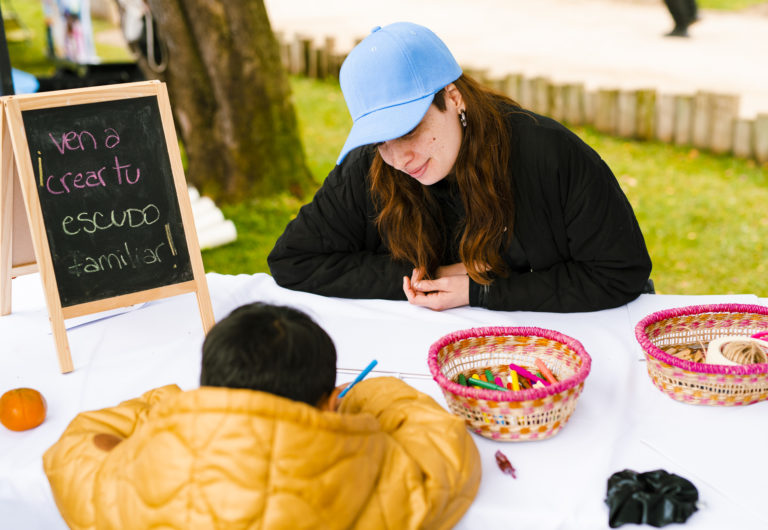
{"points": [[223, 458]]}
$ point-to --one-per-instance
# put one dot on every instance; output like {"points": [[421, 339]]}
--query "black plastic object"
{"points": [[655, 497]]}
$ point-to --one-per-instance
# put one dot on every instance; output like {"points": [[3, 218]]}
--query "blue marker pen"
{"points": [[358, 378]]}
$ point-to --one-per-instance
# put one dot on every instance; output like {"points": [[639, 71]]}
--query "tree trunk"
{"points": [[231, 98]]}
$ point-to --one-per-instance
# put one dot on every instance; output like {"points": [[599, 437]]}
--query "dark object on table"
{"points": [[655, 497]]}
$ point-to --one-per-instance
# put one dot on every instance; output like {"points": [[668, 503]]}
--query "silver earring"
{"points": [[463, 118]]}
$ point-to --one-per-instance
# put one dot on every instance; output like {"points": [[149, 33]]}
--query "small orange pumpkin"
{"points": [[22, 409]]}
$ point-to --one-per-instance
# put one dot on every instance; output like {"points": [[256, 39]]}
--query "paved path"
{"points": [[601, 43]]}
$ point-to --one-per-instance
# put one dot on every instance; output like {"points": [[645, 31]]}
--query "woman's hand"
{"points": [[449, 289]]}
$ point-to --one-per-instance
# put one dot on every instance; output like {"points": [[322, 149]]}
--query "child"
{"points": [[262, 445]]}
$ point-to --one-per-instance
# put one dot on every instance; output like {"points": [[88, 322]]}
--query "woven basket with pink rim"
{"points": [[702, 383], [533, 414]]}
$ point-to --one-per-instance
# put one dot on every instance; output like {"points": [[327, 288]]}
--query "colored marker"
{"points": [[489, 375], [504, 464], [544, 370], [525, 373], [484, 384], [498, 381], [515, 381], [462, 379], [358, 378]]}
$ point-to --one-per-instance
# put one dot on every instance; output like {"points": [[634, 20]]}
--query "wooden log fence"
{"points": [[704, 120]]}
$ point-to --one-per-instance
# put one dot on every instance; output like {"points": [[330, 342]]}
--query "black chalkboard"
{"points": [[108, 198]]}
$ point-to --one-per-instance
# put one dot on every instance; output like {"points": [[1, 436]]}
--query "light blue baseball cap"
{"points": [[390, 79]]}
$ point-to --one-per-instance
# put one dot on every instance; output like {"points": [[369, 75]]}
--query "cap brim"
{"points": [[386, 124]]}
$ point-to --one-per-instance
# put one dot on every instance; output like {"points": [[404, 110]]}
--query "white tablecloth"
{"points": [[621, 420]]}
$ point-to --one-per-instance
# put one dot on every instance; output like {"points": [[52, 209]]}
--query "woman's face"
{"points": [[428, 153]]}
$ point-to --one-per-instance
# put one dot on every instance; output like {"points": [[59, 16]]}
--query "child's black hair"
{"points": [[273, 349]]}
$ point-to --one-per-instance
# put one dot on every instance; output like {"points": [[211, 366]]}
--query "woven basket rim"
{"points": [[651, 350], [501, 396]]}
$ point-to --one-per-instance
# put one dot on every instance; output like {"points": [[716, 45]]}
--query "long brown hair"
{"points": [[406, 208]]}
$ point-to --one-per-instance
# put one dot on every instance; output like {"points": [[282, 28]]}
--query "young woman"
{"points": [[448, 194]]}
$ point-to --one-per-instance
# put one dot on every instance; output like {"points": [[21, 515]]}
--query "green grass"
{"points": [[108, 49], [704, 217], [28, 55], [324, 122], [259, 222], [728, 5]]}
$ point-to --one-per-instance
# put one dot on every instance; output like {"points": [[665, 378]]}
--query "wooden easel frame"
{"points": [[13, 107], [14, 229]]}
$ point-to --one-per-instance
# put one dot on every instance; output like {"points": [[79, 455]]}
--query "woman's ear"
{"points": [[453, 96]]}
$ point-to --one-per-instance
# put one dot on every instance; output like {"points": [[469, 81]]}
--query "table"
{"points": [[621, 420]]}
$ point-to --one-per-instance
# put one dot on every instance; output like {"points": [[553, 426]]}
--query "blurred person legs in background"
{"points": [[694, 9], [684, 13]]}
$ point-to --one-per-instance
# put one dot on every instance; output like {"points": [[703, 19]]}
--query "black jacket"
{"points": [[576, 246]]}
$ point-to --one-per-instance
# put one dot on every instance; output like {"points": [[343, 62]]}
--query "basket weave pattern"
{"points": [[700, 383], [533, 414]]}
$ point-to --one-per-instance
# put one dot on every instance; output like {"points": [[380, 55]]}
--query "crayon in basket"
{"points": [[476, 381], [516, 379]]}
